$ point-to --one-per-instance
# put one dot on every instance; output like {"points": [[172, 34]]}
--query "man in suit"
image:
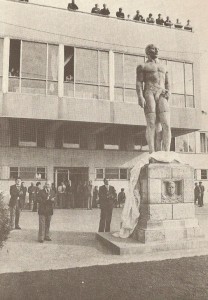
{"points": [[46, 198], [202, 189], [107, 196], [16, 204]]}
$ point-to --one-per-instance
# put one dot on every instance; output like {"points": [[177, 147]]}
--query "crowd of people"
{"points": [[43, 200], [138, 17], [199, 194]]}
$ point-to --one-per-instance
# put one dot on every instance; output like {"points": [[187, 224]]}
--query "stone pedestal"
{"points": [[166, 215]]}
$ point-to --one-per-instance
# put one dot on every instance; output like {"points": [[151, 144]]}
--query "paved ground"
{"points": [[74, 243]]}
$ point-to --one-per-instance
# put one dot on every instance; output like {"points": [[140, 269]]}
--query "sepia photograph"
{"points": [[103, 150]]}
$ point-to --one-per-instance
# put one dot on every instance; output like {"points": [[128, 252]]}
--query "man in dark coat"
{"points": [[72, 6], [31, 192], [16, 203], [197, 193], [107, 196], [202, 189], [46, 198]]}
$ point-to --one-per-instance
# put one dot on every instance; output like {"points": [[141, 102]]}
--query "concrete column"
{"points": [[4, 133], [111, 74], [5, 82], [61, 71], [50, 173]]}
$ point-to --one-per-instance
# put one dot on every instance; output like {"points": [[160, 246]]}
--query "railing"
{"points": [[102, 16]]}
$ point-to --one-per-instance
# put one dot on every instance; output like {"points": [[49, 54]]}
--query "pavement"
{"points": [[74, 243]]}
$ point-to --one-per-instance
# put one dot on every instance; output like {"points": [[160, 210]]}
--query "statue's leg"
{"points": [[158, 137], [166, 131], [150, 114], [150, 131]]}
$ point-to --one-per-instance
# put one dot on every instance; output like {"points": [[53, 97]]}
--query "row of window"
{"points": [[32, 134], [33, 68], [30, 173], [40, 173]]}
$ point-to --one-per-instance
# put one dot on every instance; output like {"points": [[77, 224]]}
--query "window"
{"points": [[14, 66], [13, 173], [68, 71], [125, 77], [28, 173], [204, 142], [112, 173], [86, 72], [140, 143], [33, 68], [1, 62], [27, 133], [186, 143], [203, 174], [52, 78], [71, 137], [99, 173], [111, 140], [182, 83]]}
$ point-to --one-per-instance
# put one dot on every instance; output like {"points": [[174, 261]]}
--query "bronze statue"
{"points": [[153, 90]]}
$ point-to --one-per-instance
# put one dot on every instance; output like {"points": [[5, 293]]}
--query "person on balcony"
{"points": [[95, 10], [150, 19], [159, 20], [168, 22], [120, 14], [188, 26], [138, 17], [178, 24], [105, 11], [72, 6]]}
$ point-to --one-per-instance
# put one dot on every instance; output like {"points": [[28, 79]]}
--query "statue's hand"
{"points": [[142, 102], [165, 94]]}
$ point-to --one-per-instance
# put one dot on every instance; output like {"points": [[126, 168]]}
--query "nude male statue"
{"points": [[153, 90]]}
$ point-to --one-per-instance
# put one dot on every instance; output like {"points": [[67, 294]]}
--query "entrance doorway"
{"points": [[77, 177]]}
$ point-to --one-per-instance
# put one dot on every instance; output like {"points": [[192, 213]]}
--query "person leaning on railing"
{"points": [[72, 6], [150, 19], [188, 26], [159, 20], [95, 9], [168, 22], [120, 14], [105, 11], [138, 17], [178, 24]]}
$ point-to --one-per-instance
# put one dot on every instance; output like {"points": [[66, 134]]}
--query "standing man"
{"points": [[153, 90], [121, 198], [37, 190], [89, 195], [24, 193], [202, 189], [61, 195], [197, 193], [31, 192], [16, 204], [46, 198], [106, 198]]}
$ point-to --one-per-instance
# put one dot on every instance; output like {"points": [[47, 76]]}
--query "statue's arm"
{"points": [[167, 85], [139, 85]]}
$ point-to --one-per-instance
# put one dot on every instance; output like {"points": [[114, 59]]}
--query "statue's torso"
{"points": [[154, 75]]}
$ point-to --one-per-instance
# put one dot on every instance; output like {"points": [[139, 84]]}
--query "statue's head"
{"points": [[171, 188], [152, 51]]}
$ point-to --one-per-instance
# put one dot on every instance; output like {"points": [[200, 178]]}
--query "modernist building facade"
{"points": [[68, 104]]}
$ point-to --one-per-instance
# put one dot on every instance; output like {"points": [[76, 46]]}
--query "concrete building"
{"points": [[68, 104]]}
